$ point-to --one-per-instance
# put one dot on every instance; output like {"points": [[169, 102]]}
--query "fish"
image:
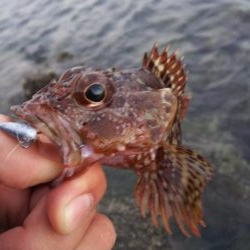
{"points": [[128, 119]]}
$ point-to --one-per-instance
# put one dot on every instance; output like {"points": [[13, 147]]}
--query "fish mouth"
{"points": [[56, 127]]}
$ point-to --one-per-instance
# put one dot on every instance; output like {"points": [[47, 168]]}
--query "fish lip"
{"points": [[56, 127]]}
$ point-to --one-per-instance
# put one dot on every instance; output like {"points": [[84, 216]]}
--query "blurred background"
{"points": [[41, 38]]}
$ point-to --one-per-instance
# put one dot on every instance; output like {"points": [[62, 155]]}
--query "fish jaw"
{"points": [[56, 127]]}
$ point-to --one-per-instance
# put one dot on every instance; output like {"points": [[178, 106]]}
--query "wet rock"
{"points": [[35, 82], [36, 53], [64, 56]]}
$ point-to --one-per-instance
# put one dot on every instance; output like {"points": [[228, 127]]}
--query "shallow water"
{"points": [[38, 36]]}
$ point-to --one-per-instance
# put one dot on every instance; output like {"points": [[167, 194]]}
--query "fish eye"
{"points": [[95, 92], [92, 91]]}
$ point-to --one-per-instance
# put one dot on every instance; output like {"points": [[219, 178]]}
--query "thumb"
{"points": [[69, 203]]}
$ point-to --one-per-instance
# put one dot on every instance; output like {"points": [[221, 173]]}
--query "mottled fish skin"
{"points": [[128, 119]]}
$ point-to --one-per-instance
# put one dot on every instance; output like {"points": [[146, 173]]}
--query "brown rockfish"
{"points": [[128, 119]]}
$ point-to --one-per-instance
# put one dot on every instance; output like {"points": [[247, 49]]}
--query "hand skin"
{"points": [[35, 216]]}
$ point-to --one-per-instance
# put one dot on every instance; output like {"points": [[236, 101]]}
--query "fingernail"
{"points": [[76, 210]]}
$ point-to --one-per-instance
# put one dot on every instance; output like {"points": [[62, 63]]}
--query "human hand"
{"points": [[34, 216]]}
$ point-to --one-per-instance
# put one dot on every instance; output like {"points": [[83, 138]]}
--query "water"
{"points": [[213, 36]]}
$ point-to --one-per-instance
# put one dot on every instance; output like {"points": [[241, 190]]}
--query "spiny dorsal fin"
{"points": [[167, 67]]}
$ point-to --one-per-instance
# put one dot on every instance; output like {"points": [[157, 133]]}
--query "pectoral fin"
{"points": [[175, 133], [173, 188]]}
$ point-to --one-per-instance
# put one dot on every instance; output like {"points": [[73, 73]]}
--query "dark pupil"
{"points": [[95, 93]]}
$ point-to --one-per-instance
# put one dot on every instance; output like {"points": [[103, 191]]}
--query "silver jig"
{"points": [[25, 134]]}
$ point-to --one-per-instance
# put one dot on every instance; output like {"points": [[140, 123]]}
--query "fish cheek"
{"points": [[155, 110], [102, 127]]}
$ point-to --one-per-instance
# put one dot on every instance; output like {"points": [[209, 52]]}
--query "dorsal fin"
{"points": [[167, 67]]}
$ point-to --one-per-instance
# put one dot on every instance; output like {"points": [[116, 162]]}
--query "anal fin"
{"points": [[174, 187]]}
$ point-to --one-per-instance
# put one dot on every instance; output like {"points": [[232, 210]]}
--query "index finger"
{"points": [[22, 168]]}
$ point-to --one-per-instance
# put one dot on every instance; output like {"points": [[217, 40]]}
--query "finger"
{"points": [[21, 168], [16, 204], [13, 207], [68, 212], [37, 232], [100, 235], [68, 199], [40, 228]]}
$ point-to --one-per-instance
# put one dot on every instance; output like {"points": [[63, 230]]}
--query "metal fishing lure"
{"points": [[24, 133]]}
